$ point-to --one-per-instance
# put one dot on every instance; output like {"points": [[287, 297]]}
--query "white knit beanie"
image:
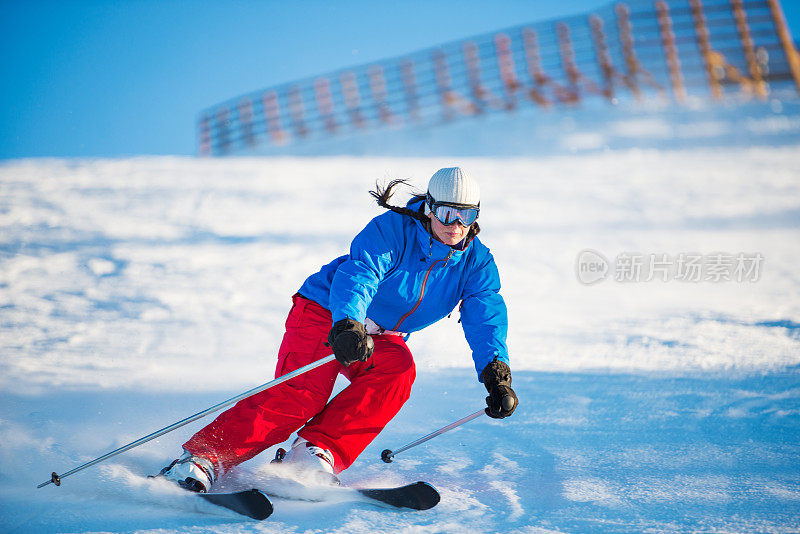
{"points": [[453, 184]]}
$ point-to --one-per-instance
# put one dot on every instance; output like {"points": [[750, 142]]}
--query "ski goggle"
{"points": [[448, 213]]}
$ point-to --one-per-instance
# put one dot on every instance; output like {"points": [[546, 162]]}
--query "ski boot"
{"points": [[190, 472], [309, 461]]}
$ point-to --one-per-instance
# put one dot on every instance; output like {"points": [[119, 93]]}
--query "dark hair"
{"points": [[383, 194]]}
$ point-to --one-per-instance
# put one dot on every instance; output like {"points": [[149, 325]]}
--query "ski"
{"points": [[417, 496], [252, 503]]}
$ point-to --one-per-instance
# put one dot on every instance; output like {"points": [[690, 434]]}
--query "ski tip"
{"points": [[252, 503], [417, 496], [266, 507], [431, 495]]}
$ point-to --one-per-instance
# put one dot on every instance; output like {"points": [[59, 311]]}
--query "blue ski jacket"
{"points": [[403, 279]]}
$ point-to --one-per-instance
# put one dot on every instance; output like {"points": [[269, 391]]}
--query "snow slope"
{"points": [[135, 292]]}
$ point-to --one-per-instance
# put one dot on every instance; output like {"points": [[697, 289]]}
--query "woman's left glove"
{"points": [[502, 401], [350, 342]]}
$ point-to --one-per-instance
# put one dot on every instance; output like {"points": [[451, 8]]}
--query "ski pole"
{"points": [[56, 478], [387, 454]]}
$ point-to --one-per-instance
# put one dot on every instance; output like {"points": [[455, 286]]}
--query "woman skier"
{"points": [[406, 269]]}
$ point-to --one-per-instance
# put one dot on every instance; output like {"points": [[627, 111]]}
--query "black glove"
{"points": [[502, 401], [350, 342]]}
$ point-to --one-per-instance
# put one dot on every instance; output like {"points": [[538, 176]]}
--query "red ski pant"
{"points": [[345, 426]]}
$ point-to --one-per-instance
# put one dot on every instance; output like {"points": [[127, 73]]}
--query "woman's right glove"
{"points": [[350, 342], [502, 401]]}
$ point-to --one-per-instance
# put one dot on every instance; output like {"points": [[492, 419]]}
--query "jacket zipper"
{"points": [[421, 291]]}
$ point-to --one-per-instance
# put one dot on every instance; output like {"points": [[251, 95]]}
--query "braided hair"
{"points": [[383, 194]]}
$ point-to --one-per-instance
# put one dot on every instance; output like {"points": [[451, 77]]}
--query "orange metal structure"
{"points": [[730, 50], [792, 56]]}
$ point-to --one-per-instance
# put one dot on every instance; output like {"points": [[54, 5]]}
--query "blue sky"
{"points": [[91, 78]]}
